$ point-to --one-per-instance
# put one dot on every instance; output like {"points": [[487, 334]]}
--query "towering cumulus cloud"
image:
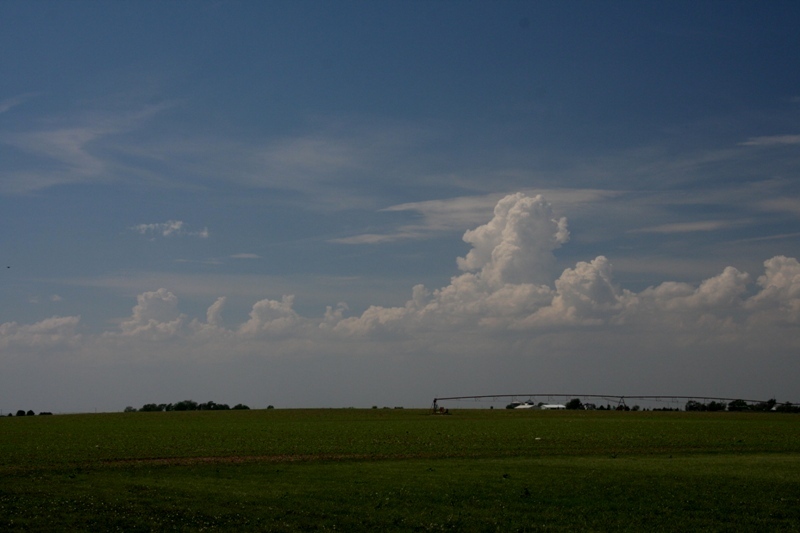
{"points": [[517, 245], [506, 274], [155, 316]]}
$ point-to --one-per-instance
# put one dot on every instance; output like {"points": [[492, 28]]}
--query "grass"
{"points": [[405, 470]]}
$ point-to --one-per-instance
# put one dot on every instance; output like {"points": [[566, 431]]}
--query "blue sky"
{"points": [[369, 203]]}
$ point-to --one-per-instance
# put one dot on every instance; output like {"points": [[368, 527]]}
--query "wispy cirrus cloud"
{"points": [[377, 238], [68, 150], [691, 227], [323, 166], [781, 205], [772, 140], [331, 160], [10, 103]]}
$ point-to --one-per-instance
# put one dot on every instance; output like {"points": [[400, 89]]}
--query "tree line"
{"points": [[741, 405], [23, 412], [186, 405]]}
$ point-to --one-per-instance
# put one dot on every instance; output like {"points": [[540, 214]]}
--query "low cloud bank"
{"points": [[508, 284]]}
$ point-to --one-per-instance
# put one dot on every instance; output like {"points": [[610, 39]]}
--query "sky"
{"points": [[353, 203]]}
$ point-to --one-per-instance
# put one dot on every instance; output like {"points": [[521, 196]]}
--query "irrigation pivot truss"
{"points": [[620, 400]]}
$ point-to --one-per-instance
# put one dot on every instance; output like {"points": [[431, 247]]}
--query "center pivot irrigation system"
{"points": [[619, 401]]}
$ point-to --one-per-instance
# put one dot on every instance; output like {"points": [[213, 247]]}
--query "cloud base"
{"points": [[507, 307]]}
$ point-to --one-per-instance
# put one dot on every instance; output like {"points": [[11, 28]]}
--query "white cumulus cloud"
{"points": [[170, 228], [517, 245], [214, 313], [780, 288], [50, 333], [271, 316], [154, 316]]}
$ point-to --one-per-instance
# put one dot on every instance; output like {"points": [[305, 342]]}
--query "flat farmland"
{"points": [[402, 470]]}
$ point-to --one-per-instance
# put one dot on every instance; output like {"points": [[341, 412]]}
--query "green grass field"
{"points": [[402, 470]]}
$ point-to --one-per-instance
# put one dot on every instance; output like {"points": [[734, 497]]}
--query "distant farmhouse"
{"points": [[541, 405]]}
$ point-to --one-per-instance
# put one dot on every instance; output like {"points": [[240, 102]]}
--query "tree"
{"points": [[574, 403], [241, 406], [21, 412], [738, 405], [788, 408], [185, 405], [212, 406], [765, 406], [694, 405]]}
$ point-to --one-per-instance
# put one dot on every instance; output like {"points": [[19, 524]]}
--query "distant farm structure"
{"points": [[550, 401]]}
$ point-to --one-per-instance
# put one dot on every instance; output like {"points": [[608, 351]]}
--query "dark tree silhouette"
{"points": [[574, 403], [738, 405]]}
